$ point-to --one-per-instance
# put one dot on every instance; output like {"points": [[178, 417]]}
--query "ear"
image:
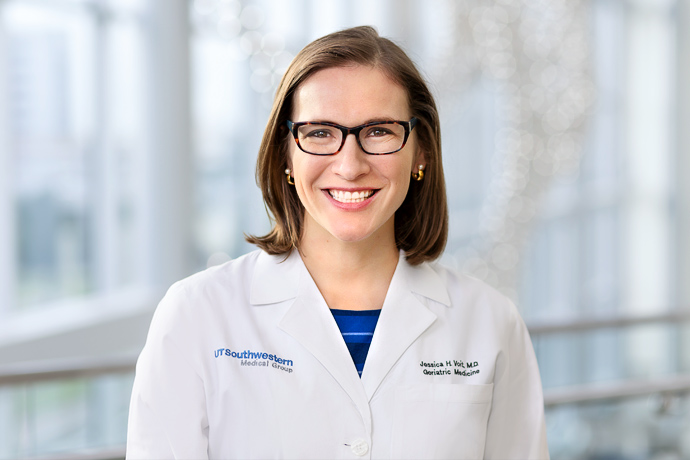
{"points": [[420, 159]]}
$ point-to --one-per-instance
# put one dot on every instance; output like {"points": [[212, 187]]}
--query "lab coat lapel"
{"points": [[403, 319], [310, 322]]}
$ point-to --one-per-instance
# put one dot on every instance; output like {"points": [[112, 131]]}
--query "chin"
{"points": [[353, 234]]}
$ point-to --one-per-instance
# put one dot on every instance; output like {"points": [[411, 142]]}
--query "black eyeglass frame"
{"points": [[408, 125]]}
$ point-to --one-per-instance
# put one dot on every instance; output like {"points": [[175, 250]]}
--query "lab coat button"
{"points": [[360, 447]]}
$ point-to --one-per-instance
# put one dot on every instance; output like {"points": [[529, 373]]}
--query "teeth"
{"points": [[350, 197]]}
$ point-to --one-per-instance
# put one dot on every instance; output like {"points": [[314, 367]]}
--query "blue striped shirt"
{"points": [[357, 328]]}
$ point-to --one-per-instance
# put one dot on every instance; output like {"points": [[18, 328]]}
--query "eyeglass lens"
{"points": [[326, 140]]}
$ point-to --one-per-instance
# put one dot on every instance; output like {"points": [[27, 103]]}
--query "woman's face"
{"points": [[352, 196]]}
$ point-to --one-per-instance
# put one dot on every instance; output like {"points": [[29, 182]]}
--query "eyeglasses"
{"points": [[375, 138]]}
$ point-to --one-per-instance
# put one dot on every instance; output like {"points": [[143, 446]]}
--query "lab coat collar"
{"points": [[405, 317], [423, 280], [309, 321], [277, 279]]}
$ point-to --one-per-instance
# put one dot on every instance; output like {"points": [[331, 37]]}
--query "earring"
{"points": [[290, 179], [418, 176]]}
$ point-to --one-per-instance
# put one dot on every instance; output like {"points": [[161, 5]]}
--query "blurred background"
{"points": [[129, 131]]}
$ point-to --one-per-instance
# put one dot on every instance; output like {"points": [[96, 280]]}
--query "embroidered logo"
{"points": [[450, 367], [250, 358]]}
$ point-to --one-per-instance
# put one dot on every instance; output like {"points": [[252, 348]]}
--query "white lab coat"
{"points": [[245, 360]]}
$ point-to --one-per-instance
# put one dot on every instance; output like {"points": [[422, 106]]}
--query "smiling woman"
{"points": [[345, 289], [421, 235], [352, 95]]}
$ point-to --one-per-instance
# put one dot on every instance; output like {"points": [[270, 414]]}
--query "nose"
{"points": [[351, 162]]}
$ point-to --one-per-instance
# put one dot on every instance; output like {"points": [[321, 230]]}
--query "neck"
{"points": [[351, 275]]}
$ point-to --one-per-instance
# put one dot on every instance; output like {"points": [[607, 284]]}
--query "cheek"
{"points": [[411, 160], [416, 156], [399, 176], [307, 171]]}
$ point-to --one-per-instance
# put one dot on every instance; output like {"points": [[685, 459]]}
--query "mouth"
{"points": [[343, 196]]}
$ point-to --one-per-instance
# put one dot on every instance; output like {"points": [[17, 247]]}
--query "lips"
{"points": [[346, 196]]}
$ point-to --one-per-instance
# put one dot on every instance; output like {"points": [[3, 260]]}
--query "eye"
{"points": [[379, 131], [319, 133]]}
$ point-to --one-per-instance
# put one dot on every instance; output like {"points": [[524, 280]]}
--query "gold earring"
{"points": [[290, 180], [418, 176]]}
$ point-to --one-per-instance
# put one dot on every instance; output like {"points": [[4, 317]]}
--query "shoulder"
{"points": [[461, 283], [191, 298], [234, 272], [255, 278]]}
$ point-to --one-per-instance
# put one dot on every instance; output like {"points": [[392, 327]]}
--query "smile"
{"points": [[350, 197]]}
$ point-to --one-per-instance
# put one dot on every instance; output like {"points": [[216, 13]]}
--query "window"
{"points": [[121, 166], [74, 135]]}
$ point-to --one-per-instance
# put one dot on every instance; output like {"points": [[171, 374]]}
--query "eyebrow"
{"points": [[370, 120]]}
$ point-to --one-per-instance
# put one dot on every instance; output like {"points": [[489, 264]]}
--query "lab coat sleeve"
{"points": [[516, 428], [167, 418]]}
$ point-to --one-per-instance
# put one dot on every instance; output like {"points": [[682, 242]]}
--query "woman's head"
{"points": [[421, 220]]}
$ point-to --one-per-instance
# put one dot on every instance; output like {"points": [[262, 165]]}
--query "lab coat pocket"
{"points": [[441, 421]]}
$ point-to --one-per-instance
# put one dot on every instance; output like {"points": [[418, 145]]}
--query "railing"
{"points": [[45, 371], [29, 373], [589, 324], [674, 385], [671, 385], [32, 372], [116, 453]]}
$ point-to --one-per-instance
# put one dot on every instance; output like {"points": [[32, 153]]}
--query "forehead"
{"points": [[350, 95]]}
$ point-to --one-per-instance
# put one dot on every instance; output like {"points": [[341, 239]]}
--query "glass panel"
{"points": [[653, 427], [77, 113], [609, 355], [229, 118], [51, 91], [124, 152], [64, 416]]}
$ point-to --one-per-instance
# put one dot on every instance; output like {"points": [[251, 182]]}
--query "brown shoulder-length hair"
{"points": [[421, 222]]}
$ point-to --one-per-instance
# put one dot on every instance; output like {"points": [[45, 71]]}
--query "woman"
{"points": [[272, 355]]}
